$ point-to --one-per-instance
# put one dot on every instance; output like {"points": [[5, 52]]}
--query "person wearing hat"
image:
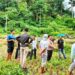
{"points": [[43, 52]]}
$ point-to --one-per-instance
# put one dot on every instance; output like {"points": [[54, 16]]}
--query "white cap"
{"points": [[45, 36]]}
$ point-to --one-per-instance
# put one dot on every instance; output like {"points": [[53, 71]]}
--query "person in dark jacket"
{"points": [[25, 40], [61, 47]]}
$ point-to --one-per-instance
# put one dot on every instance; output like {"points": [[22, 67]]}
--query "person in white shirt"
{"points": [[43, 52], [34, 48], [72, 66]]}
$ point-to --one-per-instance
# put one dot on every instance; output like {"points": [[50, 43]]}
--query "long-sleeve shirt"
{"points": [[44, 45], [73, 52]]}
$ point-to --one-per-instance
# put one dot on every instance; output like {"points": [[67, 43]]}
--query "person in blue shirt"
{"points": [[10, 44]]}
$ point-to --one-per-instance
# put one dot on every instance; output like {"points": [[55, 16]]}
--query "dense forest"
{"points": [[38, 15]]}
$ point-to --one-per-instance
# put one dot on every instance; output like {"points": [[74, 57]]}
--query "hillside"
{"points": [[37, 15]]}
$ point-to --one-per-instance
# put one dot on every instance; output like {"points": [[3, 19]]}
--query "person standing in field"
{"points": [[10, 44], [17, 54], [43, 52], [72, 66], [50, 47], [34, 47], [24, 48], [61, 47]]}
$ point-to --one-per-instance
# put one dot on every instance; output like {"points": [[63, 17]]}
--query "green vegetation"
{"points": [[37, 15], [13, 67]]}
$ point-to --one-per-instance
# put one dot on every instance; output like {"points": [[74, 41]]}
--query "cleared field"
{"points": [[56, 66]]}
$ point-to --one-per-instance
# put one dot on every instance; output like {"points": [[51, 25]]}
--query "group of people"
{"points": [[45, 46]]}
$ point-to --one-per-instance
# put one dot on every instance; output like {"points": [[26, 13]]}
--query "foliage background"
{"points": [[37, 15]]}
